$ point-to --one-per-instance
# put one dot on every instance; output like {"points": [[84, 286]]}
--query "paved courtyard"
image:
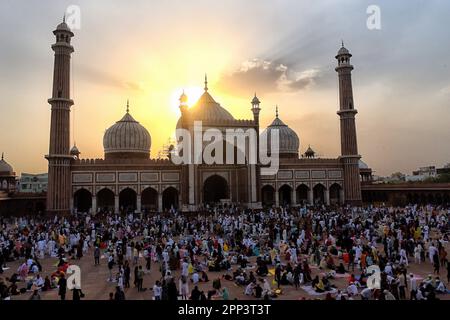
{"points": [[95, 285]]}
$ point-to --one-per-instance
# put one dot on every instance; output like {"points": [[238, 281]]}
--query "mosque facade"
{"points": [[127, 178]]}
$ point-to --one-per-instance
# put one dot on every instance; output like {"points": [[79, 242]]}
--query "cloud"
{"points": [[87, 73], [445, 91], [267, 76], [299, 80]]}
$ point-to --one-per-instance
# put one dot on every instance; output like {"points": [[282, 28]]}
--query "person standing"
{"points": [[96, 256], [77, 294], [126, 274], [157, 291], [119, 295], [110, 266], [278, 275], [412, 287], [62, 283], [148, 258], [436, 263], [140, 278], [402, 286]]}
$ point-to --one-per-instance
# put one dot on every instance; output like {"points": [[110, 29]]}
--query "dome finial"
{"points": [[206, 82], [2, 155], [128, 105], [342, 43], [183, 98], [64, 18], [276, 111]]}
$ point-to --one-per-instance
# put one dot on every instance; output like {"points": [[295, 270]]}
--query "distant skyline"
{"points": [[148, 52]]}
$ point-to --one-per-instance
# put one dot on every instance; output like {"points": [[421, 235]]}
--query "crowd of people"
{"points": [[332, 253]]}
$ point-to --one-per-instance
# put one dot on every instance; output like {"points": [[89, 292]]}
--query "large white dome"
{"points": [[206, 109], [127, 138], [289, 143]]}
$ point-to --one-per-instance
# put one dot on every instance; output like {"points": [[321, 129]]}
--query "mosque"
{"points": [[128, 179]]}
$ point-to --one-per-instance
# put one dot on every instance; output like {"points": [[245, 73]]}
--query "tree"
{"points": [[398, 176]]}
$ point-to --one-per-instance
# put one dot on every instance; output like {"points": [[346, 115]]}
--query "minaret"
{"points": [[256, 109], [349, 148], [59, 182], [256, 170], [183, 103]]}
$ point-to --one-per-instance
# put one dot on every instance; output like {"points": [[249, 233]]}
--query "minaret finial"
{"points": [[128, 105], [276, 111], [206, 82]]}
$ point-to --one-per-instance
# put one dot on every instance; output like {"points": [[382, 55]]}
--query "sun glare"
{"points": [[193, 94]]}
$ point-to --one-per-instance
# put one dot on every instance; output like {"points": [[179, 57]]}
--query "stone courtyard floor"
{"points": [[95, 285]]}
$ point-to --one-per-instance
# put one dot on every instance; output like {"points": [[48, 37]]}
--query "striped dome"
{"points": [[206, 109], [289, 142], [127, 136], [5, 168]]}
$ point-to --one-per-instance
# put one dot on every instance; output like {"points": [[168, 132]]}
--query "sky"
{"points": [[149, 51]]}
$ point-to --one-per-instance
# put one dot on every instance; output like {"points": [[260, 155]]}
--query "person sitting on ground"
{"points": [[262, 270], [249, 289], [204, 277], [319, 286], [440, 286], [330, 262]]}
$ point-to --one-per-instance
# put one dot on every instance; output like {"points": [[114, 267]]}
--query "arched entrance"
{"points": [[127, 200], [284, 194], [215, 188], [149, 199], [268, 196], [335, 191], [105, 200], [170, 198], [82, 200], [319, 193], [302, 194]]}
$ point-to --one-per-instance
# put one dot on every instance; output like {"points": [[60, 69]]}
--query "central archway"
{"points": [[215, 188], [319, 193], [268, 196], [149, 199], [105, 200], [285, 195], [302, 194], [82, 200], [170, 198], [127, 199]]}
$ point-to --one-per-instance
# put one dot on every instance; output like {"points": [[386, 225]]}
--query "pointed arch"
{"points": [[82, 200], [285, 195], [302, 193], [105, 199], [268, 195]]}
